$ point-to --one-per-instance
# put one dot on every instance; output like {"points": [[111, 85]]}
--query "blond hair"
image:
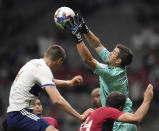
{"points": [[94, 91]]}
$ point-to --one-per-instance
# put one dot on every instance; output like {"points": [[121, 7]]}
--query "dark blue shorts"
{"points": [[24, 120]]}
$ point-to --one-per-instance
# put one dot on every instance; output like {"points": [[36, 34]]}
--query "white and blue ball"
{"points": [[63, 15]]}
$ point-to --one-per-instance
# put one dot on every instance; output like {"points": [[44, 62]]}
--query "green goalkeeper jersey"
{"points": [[112, 79]]}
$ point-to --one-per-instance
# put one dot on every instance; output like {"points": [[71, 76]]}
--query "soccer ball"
{"points": [[63, 15]]}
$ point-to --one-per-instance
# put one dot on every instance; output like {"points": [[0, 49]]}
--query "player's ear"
{"points": [[60, 60], [118, 61]]}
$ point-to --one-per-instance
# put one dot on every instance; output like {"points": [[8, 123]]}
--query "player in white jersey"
{"points": [[23, 92]]}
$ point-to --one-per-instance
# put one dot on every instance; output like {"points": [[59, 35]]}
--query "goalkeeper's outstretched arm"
{"points": [[78, 27], [86, 56], [94, 41]]}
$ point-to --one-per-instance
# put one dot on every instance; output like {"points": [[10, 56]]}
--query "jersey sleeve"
{"points": [[104, 70], [101, 69], [104, 54], [44, 77]]}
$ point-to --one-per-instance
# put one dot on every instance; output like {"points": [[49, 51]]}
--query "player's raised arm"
{"points": [[141, 111], [86, 56], [57, 99], [92, 39], [81, 47], [76, 80]]}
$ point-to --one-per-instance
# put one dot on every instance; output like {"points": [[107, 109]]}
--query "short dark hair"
{"points": [[116, 100], [125, 54], [55, 52]]}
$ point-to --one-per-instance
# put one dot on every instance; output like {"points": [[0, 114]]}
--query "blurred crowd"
{"points": [[16, 49], [145, 44]]}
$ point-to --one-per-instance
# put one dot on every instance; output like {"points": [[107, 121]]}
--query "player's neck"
{"points": [[114, 65], [47, 61]]}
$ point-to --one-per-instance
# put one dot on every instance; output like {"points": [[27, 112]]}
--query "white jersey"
{"points": [[23, 92]]}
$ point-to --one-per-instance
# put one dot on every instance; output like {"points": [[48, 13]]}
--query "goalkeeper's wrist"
{"points": [[85, 29], [77, 38]]}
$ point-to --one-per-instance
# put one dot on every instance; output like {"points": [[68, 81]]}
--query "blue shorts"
{"points": [[24, 120]]}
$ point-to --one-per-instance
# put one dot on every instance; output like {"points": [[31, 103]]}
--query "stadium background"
{"points": [[27, 29]]}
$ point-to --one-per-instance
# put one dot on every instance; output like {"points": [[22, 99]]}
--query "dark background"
{"points": [[27, 28]]}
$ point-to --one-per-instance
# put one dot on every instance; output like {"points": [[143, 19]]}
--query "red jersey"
{"points": [[52, 121], [101, 119]]}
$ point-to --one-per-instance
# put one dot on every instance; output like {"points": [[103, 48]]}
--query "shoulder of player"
{"points": [[107, 109], [103, 50], [104, 111], [117, 71], [39, 64]]}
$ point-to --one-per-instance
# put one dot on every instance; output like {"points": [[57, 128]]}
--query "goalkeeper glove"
{"points": [[81, 23], [72, 26], [77, 26]]}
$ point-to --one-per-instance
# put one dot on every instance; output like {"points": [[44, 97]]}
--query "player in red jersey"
{"points": [[38, 109], [102, 119]]}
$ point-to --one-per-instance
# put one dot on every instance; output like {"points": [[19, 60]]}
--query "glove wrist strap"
{"points": [[77, 38], [85, 29]]}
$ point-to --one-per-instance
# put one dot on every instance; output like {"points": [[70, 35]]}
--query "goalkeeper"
{"points": [[112, 73]]}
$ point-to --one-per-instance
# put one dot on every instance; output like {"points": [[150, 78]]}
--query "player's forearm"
{"points": [[142, 111], [60, 83], [86, 55], [64, 105], [93, 40], [57, 99], [84, 52], [137, 116]]}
